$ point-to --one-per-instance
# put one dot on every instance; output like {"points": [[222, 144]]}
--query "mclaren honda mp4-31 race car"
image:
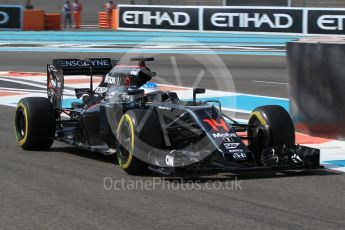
{"points": [[155, 130]]}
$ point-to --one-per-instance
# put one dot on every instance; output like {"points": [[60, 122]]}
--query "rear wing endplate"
{"points": [[65, 67]]}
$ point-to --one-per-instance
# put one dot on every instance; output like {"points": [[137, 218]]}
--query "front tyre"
{"points": [[137, 133], [35, 123], [271, 126]]}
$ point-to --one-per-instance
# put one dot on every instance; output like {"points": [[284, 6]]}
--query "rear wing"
{"points": [[94, 66], [65, 67]]}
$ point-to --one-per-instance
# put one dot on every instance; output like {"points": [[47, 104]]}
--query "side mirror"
{"points": [[197, 91]]}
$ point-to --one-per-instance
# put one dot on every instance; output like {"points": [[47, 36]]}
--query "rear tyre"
{"points": [[136, 137], [273, 127], [35, 123]]}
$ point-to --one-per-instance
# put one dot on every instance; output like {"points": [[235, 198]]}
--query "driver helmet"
{"points": [[150, 87]]}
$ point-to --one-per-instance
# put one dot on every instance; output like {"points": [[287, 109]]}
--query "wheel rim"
{"points": [[20, 124], [256, 133]]}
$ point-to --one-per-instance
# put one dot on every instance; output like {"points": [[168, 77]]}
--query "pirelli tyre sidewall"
{"points": [[35, 123], [274, 125], [137, 132]]}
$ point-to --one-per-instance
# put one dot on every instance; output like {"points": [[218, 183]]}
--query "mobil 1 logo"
{"points": [[253, 20], [159, 18], [326, 21]]}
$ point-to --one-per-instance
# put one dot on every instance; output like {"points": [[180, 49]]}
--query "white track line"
{"points": [[23, 90], [30, 84], [271, 82], [23, 83]]}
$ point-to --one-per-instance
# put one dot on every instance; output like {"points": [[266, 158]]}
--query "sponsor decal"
{"points": [[101, 90], [55, 84], [164, 107], [11, 17], [158, 18], [217, 125], [88, 63], [134, 72], [4, 18], [239, 156], [73, 63], [228, 139], [98, 63], [112, 80], [231, 145], [224, 136], [127, 81], [326, 21], [52, 68], [244, 20], [253, 20], [169, 160], [236, 151]]}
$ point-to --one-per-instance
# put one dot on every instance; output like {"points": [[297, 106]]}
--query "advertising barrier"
{"points": [[326, 21], [159, 17], [253, 20], [11, 17], [287, 20]]}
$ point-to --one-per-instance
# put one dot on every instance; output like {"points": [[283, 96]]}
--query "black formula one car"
{"points": [[155, 131]]}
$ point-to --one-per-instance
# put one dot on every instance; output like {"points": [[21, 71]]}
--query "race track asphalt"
{"points": [[245, 70], [64, 188]]}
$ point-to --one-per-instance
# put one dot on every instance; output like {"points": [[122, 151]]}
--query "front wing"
{"points": [[274, 158]]}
